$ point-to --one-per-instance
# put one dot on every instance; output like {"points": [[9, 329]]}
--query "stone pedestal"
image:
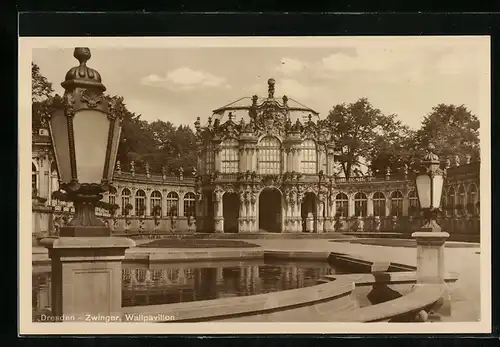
{"points": [[87, 275], [431, 266], [430, 256]]}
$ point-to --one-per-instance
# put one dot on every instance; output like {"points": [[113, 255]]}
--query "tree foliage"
{"points": [[41, 91], [359, 131], [453, 130]]}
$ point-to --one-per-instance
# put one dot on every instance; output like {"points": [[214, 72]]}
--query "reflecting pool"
{"points": [[184, 282]]}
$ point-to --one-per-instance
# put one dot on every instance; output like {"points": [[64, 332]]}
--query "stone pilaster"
{"points": [[369, 205]]}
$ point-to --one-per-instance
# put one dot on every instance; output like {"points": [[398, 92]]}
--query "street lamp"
{"points": [[429, 189], [85, 130]]}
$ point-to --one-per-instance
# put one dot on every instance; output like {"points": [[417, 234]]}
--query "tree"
{"points": [[136, 141], [393, 147], [453, 130], [41, 91], [354, 128]]}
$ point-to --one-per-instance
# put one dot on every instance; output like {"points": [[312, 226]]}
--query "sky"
{"points": [[403, 76]]}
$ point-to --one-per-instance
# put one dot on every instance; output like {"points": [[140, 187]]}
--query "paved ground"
{"points": [[462, 261]]}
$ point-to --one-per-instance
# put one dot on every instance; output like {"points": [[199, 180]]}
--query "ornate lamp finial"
{"points": [[118, 167], [82, 54], [147, 170], [82, 76], [230, 116], [431, 156], [271, 82], [197, 124]]}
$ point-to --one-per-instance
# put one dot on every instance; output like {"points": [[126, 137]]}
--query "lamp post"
{"points": [[85, 259], [85, 129], [430, 239], [429, 184]]}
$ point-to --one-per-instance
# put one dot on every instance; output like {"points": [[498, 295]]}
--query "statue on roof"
{"points": [[297, 127]]}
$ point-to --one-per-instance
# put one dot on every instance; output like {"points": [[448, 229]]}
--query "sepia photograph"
{"points": [[255, 185]]}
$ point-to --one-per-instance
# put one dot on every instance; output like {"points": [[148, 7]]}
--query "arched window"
{"points": [[172, 204], [451, 197], [342, 204], [154, 201], [472, 194], [472, 198], [379, 204], [34, 178], [412, 196], [125, 200], [308, 157], [269, 155], [360, 204], [209, 157], [413, 203], [229, 156], [189, 205], [461, 195], [397, 203], [140, 203], [112, 195]]}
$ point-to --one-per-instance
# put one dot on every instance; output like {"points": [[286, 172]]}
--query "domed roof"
{"points": [[82, 75], [239, 108]]}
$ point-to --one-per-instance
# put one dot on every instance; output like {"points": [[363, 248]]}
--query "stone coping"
{"points": [[162, 255], [369, 279], [422, 297], [401, 242], [212, 310]]}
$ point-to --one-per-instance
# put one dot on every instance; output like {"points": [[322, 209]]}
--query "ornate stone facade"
{"points": [[272, 170]]}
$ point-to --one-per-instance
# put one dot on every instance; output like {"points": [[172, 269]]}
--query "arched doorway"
{"points": [[308, 206], [270, 210], [231, 211]]}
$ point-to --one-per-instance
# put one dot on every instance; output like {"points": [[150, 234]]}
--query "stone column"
{"points": [[406, 204], [181, 205], [297, 158], [387, 205], [217, 159], [87, 275], [351, 205], [218, 213]]}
